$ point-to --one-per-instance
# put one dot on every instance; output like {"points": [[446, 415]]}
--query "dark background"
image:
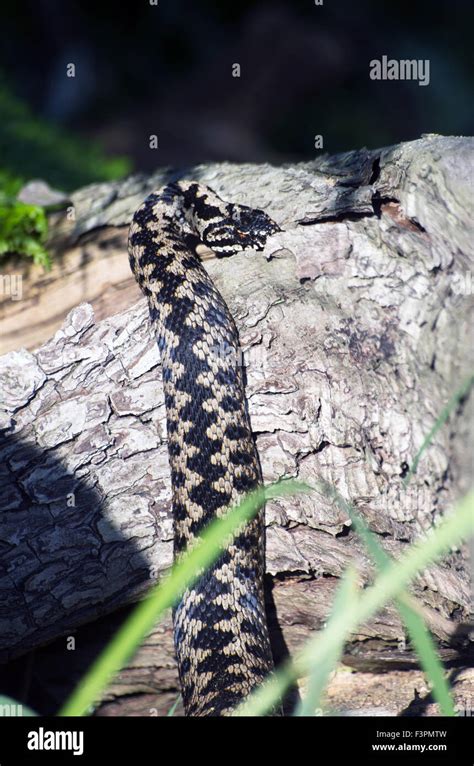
{"points": [[167, 70]]}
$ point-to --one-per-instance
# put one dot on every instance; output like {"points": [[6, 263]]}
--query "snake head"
{"points": [[252, 227], [243, 228]]}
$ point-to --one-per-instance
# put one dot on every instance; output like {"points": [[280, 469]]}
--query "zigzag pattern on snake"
{"points": [[220, 629]]}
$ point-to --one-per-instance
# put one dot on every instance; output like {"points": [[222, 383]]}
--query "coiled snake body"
{"points": [[220, 629]]}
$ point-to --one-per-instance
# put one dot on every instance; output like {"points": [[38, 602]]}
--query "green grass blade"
{"points": [[345, 599], [425, 649], [419, 635], [389, 584], [173, 707], [418, 632], [445, 413], [141, 621]]}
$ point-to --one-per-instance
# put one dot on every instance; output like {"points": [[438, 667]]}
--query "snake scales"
{"points": [[220, 629]]}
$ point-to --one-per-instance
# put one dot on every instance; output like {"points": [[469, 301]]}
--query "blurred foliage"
{"points": [[31, 147], [23, 228], [166, 69]]}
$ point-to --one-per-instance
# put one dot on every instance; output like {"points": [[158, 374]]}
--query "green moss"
{"points": [[23, 228], [31, 148]]}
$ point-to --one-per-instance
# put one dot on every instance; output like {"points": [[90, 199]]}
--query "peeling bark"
{"points": [[355, 328]]}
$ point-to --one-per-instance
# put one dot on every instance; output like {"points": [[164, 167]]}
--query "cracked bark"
{"points": [[355, 328]]}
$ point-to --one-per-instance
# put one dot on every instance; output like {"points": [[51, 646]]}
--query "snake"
{"points": [[220, 628]]}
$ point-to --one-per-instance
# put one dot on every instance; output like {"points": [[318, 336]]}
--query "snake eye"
{"points": [[242, 216]]}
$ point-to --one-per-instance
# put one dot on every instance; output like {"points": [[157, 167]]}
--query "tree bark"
{"points": [[355, 328]]}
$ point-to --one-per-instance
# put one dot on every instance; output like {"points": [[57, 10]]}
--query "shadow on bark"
{"points": [[61, 554]]}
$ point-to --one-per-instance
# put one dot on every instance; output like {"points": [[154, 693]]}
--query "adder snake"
{"points": [[220, 629]]}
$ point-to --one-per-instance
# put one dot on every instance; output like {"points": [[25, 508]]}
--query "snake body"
{"points": [[220, 629]]}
